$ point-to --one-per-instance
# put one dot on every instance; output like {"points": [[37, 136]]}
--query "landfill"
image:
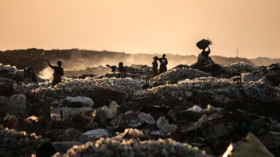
{"points": [[182, 112]]}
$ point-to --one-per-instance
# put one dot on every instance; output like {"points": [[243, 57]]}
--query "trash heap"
{"points": [[87, 86], [273, 75], [14, 143], [6, 87], [121, 146], [186, 112], [174, 75], [241, 67], [11, 72], [211, 90]]}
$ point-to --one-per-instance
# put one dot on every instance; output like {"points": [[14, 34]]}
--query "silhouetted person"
{"points": [[163, 62], [155, 66], [58, 72], [122, 69], [205, 54], [29, 75], [113, 68]]}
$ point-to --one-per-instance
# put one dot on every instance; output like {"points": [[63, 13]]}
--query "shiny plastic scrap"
{"points": [[175, 75], [133, 147]]}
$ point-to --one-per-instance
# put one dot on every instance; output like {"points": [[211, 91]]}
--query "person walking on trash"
{"points": [[155, 66], [163, 62], [58, 72], [204, 55]]}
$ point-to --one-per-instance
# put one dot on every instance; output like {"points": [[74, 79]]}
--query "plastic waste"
{"points": [[146, 118], [97, 133]]}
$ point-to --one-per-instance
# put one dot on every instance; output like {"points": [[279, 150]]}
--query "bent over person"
{"points": [[58, 72]]}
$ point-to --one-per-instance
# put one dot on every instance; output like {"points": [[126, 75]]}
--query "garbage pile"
{"points": [[211, 90], [241, 67], [174, 75], [132, 147], [11, 72], [6, 87], [185, 112], [273, 74], [212, 68], [14, 143]]}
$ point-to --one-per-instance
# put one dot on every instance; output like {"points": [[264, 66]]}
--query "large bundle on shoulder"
{"points": [[204, 43]]}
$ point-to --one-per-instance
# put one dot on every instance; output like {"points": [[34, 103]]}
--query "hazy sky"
{"points": [[147, 26]]}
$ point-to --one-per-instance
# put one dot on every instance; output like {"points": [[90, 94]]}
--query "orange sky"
{"points": [[147, 26]]}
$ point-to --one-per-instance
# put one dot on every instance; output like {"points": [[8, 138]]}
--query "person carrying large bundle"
{"points": [[203, 44]]}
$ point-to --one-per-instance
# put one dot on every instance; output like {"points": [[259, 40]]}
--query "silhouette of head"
{"points": [[59, 63], [163, 55], [155, 57], [121, 64]]}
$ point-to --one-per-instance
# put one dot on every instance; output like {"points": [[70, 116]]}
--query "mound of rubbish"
{"points": [[172, 76], [132, 147], [210, 67], [241, 67], [11, 72], [211, 90], [185, 111], [14, 143], [6, 87], [273, 74]]}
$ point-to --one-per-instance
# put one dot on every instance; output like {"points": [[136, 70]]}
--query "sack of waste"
{"points": [[72, 105], [204, 43]]}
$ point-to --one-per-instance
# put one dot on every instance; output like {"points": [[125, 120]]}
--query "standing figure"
{"points": [[205, 54], [163, 62], [155, 66], [122, 70], [58, 72]]}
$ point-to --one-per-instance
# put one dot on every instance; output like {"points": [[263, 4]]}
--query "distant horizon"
{"points": [[81, 49]]}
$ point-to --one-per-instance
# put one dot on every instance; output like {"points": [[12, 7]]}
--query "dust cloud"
{"points": [[85, 62]]}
